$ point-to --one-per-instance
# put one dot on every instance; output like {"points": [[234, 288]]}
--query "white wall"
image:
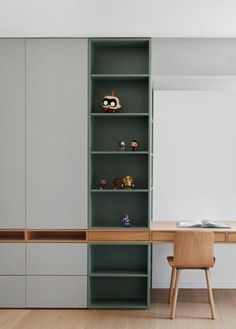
{"points": [[57, 18], [211, 66]]}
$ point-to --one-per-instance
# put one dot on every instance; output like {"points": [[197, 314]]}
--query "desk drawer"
{"points": [[163, 236], [118, 236], [220, 237], [231, 237]]}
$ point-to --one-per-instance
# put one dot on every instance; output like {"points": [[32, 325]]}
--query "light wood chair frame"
{"points": [[196, 264]]}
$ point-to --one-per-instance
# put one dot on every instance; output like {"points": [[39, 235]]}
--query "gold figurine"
{"points": [[127, 182]]}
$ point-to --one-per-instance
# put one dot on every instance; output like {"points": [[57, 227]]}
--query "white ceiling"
{"points": [[154, 18]]}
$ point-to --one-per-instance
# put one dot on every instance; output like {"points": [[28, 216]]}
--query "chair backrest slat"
{"points": [[194, 249]]}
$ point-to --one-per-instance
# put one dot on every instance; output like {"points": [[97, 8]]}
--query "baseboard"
{"points": [[196, 285]]}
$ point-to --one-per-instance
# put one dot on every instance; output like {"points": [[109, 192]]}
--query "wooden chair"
{"points": [[192, 250]]}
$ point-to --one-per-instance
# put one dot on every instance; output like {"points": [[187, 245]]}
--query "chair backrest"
{"points": [[194, 249]]}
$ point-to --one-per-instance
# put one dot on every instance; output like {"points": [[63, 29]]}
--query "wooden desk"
{"points": [[163, 231]]}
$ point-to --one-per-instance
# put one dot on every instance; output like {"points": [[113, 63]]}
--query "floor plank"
{"points": [[193, 312]]}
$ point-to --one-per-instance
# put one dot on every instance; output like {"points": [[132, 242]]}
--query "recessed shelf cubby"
{"points": [[120, 56], [115, 165], [119, 260], [108, 209], [118, 292], [109, 130], [132, 92]]}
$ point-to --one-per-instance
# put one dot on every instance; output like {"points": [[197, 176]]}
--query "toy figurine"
{"points": [[116, 183], [111, 103], [103, 183], [134, 145], [126, 221], [127, 182], [121, 145]]}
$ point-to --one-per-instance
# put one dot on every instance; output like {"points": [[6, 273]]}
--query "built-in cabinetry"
{"points": [[119, 274], [43, 173]]}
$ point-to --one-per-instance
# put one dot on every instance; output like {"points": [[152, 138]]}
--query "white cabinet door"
{"points": [[12, 133], [56, 81], [56, 259], [12, 291], [12, 258], [56, 291]]}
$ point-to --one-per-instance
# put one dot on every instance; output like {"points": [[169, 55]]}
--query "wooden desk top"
{"points": [[163, 231], [161, 225]]}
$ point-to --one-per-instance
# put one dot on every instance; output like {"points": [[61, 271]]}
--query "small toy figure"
{"points": [[111, 103], [127, 182], [103, 183], [116, 183], [134, 145], [121, 145], [126, 221]]}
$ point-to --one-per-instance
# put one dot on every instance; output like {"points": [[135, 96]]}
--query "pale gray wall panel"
{"points": [[12, 291], [56, 291], [56, 133], [12, 133], [12, 258], [56, 259]]}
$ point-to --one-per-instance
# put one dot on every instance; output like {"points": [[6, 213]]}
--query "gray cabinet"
{"points": [[12, 291], [56, 291], [12, 133], [56, 259], [12, 258], [56, 82]]}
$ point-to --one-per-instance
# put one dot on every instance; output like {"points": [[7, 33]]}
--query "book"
{"points": [[207, 223]]}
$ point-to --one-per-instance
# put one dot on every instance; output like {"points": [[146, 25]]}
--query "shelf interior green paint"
{"points": [[124, 57], [108, 131], [111, 166], [108, 209], [133, 94], [123, 259]]}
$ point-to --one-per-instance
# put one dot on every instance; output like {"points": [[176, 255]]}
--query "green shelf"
{"points": [[142, 114], [119, 304], [119, 273], [118, 152], [118, 77], [119, 191]]}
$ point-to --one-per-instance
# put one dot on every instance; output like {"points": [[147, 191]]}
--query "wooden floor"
{"points": [[192, 313]]}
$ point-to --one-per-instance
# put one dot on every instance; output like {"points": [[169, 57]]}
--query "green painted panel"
{"points": [[120, 289], [108, 209], [122, 259], [111, 166], [133, 94], [109, 130], [126, 56]]}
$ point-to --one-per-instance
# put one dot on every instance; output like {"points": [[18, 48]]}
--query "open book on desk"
{"points": [[207, 223]]}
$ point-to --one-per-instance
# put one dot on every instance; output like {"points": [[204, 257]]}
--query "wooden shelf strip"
{"points": [[56, 236], [12, 235]]}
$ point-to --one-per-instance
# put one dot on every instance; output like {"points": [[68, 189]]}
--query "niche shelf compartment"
{"points": [[108, 209], [12, 235], [119, 56], [109, 130], [56, 236], [132, 92], [116, 165], [128, 260]]}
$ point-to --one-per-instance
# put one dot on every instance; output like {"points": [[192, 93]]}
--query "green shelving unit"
{"points": [[119, 275]]}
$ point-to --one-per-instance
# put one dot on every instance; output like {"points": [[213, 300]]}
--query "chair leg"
{"points": [[210, 295], [172, 284], [173, 308]]}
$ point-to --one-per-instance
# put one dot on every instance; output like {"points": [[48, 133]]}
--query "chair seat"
{"points": [[170, 260]]}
